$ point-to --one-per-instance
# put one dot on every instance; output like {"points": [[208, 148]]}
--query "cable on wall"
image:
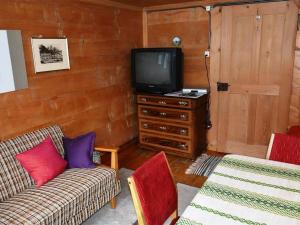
{"points": [[176, 40], [208, 123]]}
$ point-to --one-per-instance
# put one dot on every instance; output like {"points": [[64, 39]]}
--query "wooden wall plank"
{"points": [[95, 94], [225, 66], [145, 29], [215, 58], [287, 65], [192, 26]]}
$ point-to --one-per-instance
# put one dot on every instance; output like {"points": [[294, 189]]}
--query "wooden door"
{"points": [[256, 58]]}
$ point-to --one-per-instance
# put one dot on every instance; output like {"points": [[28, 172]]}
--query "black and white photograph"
{"points": [[50, 54]]}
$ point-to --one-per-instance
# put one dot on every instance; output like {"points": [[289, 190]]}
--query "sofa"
{"points": [[70, 198]]}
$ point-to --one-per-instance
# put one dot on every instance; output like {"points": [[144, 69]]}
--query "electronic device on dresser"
{"points": [[157, 70]]}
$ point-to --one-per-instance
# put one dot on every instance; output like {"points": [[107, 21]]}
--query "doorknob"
{"points": [[222, 86]]}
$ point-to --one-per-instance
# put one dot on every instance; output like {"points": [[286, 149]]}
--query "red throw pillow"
{"points": [[42, 162], [286, 148]]}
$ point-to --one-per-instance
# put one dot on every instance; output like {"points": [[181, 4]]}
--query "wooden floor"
{"points": [[132, 156]]}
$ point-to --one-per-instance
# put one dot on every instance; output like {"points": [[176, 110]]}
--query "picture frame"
{"points": [[50, 54]]}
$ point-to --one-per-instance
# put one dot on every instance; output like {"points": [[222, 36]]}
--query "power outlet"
{"points": [[207, 53], [208, 8]]}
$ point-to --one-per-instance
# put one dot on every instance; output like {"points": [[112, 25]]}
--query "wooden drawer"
{"points": [[166, 114], [164, 101], [165, 142], [165, 128], [172, 124]]}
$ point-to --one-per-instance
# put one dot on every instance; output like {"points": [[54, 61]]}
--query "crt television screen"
{"points": [[153, 68]]}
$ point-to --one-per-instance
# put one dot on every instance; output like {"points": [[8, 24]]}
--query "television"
{"points": [[157, 70]]}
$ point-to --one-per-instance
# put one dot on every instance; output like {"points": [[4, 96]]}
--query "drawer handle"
{"points": [[144, 99], [182, 116], [183, 131], [145, 125], [182, 146], [163, 128], [162, 102], [162, 113], [145, 111], [182, 103]]}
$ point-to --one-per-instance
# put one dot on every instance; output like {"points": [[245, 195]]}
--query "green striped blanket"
{"points": [[246, 190]]}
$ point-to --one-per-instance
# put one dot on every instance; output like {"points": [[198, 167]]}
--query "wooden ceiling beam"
{"points": [[138, 6], [188, 4], [198, 4], [112, 4], [174, 6]]}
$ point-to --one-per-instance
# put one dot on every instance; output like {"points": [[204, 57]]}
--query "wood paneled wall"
{"points": [[96, 93], [191, 25]]}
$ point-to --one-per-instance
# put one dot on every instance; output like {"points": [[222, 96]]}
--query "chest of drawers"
{"points": [[174, 125]]}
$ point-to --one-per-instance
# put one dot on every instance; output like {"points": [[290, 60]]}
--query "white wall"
{"points": [[13, 74]]}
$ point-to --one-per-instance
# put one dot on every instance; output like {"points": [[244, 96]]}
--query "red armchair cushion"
{"points": [[156, 190], [286, 148]]}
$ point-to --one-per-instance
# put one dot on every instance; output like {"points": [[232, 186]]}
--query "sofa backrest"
{"points": [[13, 178]]}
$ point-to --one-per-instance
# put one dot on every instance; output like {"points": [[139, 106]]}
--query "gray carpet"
{"points": [[124, 214]]}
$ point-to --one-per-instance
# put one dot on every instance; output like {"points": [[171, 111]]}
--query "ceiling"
{"points": [[149, 3], [146, 3], [139, 4]]}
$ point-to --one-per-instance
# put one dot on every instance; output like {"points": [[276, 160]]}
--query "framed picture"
{"points": [[50, 54]]}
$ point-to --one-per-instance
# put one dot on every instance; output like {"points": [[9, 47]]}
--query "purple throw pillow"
{"points": [[79, 150]]}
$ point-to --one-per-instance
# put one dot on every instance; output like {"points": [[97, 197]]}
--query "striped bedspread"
{"points": [[246, 190]]}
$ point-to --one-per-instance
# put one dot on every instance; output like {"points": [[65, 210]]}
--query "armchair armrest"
{"points": [[114, 155], [114, 165]]}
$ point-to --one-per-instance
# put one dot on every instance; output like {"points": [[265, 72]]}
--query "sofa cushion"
{"points": [[79, 150], [62, 198], [13, 178], [42, 162]]}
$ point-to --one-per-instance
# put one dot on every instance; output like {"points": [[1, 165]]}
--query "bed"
{"points": [[246, 190]]}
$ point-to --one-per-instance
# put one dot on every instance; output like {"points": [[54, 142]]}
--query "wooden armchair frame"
{"points": [[137, 202], [270, 146], [114, 165]]}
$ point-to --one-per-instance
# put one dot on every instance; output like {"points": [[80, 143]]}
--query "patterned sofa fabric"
{"points": [[70, 198], [13, 178], [62, 198]]}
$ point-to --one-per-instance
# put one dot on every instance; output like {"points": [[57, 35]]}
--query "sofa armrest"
{"points": [[114, 155]]}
